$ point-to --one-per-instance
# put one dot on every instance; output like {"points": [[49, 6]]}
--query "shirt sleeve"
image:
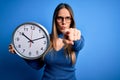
{"points": [[36, 63], [78, 45]]}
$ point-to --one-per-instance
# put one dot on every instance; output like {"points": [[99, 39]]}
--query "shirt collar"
{"points": [[60, 35]]}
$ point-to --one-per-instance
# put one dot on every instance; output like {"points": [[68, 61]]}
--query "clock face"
{"points": [[30, 40]]}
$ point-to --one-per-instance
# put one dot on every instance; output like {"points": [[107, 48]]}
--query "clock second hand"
{"points": [[31, 38]]}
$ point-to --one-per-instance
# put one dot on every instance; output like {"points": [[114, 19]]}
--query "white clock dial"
{"points": [[30, 40]]}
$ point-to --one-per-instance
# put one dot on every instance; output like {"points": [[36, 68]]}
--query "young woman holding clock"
{"points": [[65, 43]]}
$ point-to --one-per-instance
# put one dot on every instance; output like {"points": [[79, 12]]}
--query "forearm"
{"points": [[78, 45], [36, 64]]}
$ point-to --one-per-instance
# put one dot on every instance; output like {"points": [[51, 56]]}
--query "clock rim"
{"points": [[38, 25]]}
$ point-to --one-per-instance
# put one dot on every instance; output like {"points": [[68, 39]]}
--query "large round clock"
{"points": [[30, 40]]}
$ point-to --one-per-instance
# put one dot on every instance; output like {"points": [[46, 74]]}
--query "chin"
{"points": [[62, 31]]}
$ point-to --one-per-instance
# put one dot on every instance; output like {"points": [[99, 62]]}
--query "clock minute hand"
{"points": [[38, 38], [27, 37]]}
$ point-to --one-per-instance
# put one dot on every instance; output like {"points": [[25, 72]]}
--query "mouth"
{"points": [[62, 28]]}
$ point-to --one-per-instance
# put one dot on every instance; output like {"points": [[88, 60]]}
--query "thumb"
{"points": [[66, 41]]}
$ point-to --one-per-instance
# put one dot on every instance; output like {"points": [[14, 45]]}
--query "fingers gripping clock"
{"points": [[30, 40]]}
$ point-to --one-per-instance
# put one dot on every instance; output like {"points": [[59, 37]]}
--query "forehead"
{"points": [[63, 12]]}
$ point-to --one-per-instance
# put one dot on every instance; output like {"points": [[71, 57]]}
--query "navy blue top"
{"points": [[57, 65]]}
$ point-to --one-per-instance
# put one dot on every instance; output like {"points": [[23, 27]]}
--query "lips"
{"points": [[62, 28]]}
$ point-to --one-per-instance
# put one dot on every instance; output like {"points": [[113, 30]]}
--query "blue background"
{"points": [[98, 20]]}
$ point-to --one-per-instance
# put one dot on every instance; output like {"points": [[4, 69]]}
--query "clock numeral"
{"points": [[44, 42], [17, 39], [32, 27], [23, 50], [41, 48], [25, 29], [19, 46], [37, 52], [20, 33], [30, 53], [44, 36], [39, 31]]}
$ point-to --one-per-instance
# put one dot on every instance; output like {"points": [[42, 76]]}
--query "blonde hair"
{"points": [[55, 32]]}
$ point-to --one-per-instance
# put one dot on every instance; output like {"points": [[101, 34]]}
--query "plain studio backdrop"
{"points": [[98, 20]]}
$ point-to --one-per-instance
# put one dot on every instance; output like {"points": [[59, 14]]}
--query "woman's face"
{"points": [[63, 20]]}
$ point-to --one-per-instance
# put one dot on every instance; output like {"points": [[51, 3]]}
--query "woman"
{"points": [[65, 43]]}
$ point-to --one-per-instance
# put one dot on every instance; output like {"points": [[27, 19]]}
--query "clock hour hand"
{"points": [[38, 38], [27, 37]]}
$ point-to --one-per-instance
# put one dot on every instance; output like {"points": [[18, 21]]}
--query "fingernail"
{"points": [[72, 43]]}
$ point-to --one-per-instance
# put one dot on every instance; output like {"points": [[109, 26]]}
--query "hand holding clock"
{"points": [[11, 49]]}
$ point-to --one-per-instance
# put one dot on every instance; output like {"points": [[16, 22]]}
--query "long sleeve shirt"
{"points": [[57, 65]]}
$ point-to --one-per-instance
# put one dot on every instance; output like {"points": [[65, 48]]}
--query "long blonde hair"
{"points": [[55, 32]]}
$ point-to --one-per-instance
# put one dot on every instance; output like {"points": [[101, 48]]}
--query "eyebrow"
{"points": [[62, 16]]}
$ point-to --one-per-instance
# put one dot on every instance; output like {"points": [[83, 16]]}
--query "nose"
{"points": [[63, 21]]}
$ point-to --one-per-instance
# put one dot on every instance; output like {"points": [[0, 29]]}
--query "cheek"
{"points": [[58, 26], [68, 26]]}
